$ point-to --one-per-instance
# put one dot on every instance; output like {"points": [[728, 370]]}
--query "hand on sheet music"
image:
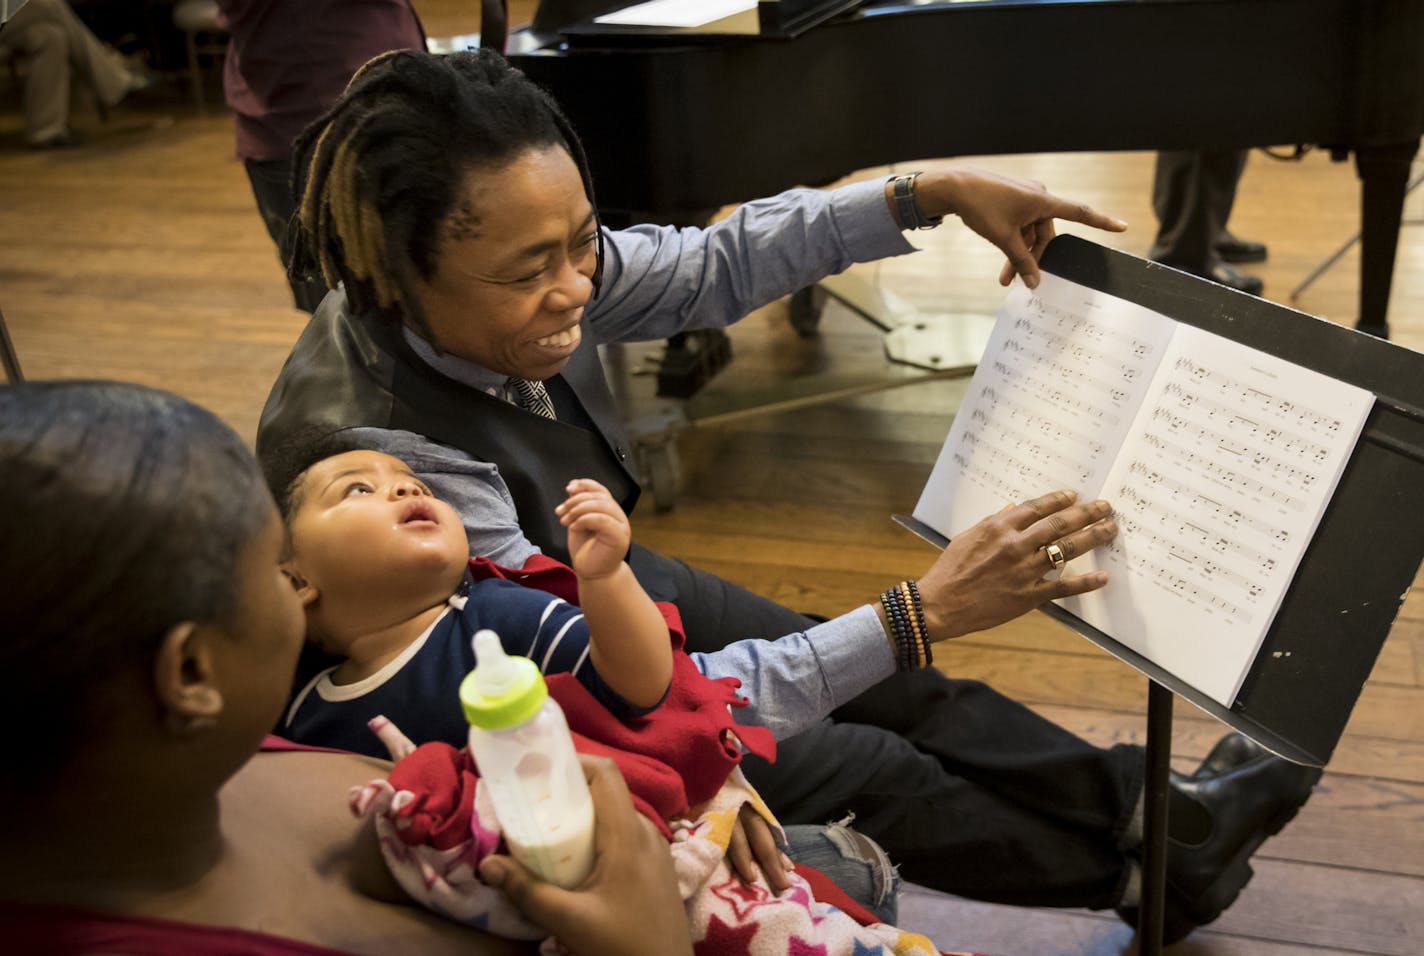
{"points": [[996, 570], [1014, 214]]}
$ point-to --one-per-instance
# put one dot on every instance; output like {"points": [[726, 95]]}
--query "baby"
{"points": [[382, 568]]}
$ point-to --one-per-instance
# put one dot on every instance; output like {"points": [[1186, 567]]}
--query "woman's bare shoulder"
{"points": [[293, 838]]}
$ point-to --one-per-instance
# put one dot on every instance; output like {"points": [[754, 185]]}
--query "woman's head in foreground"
{"points": [[142, 598]]}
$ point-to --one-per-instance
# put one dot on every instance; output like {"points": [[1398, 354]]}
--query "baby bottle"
{"points": [[525, 756]]}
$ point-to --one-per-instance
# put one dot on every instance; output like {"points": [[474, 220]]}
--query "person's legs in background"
{"points": [[58, 46], [272, 188], [1192, 196]]}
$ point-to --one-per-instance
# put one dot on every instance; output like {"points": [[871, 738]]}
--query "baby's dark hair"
{"points": [[286, 464], [379, 174], [124, 511]]}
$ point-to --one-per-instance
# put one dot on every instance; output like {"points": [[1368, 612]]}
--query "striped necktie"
{"points": [[531, 396]]}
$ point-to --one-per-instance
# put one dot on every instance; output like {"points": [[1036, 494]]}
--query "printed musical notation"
{"points": [[1185, 584], [990, 463], [1112, 376], [1179, 529], [1071, 327], [1021, 415], [1250, 429], [1184, 496], [1282, 408], [1218, 460], [1217, 471]]}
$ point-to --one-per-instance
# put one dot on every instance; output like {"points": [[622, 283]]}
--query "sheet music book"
{"points": [[676, 13], [1219, 460]]}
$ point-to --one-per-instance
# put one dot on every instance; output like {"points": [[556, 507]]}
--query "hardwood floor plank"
{"points": [[1194, 733], [1287, 908], [1384, 710]]}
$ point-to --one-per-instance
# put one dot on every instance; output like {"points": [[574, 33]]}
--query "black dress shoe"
{"points": [[1235, 279], [1229, 752], [1248, 803], [1235, 249]]}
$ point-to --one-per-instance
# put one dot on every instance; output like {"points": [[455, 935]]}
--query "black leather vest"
{"points": [[357, 371]]}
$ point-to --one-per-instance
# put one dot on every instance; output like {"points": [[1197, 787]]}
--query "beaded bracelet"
{"points": [[918, 608], [905, 613], [898, 629]]}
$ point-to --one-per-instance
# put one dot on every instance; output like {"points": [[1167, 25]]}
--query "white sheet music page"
{"points": [[1062, 377], [676, 13], [1218, 460], [1218, 492]]}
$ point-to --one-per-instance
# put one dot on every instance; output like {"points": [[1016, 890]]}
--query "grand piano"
{"points": [[816, 89]]}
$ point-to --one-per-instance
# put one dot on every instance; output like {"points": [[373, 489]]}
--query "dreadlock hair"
{"points": [[377, 175]]}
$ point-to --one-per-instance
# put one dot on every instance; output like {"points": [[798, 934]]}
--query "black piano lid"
{"points": [[785, 19]]}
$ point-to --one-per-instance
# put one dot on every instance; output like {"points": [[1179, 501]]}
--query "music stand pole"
{"points": [[1154, 822], [8, 357]]}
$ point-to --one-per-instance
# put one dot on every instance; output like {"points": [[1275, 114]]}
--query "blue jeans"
{"points": [[853, 861]]}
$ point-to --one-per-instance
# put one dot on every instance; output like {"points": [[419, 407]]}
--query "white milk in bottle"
{"points": [[525, 756]]}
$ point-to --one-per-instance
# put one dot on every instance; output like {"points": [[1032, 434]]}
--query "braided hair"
{"points": [[377, 175]]}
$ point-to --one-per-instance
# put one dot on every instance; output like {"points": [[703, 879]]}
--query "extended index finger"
{"points": [[1087, 215]]}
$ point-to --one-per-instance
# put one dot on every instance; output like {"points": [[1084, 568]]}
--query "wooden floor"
{"points": [[141, 257]]}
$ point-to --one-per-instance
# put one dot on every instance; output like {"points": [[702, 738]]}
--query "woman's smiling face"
{"points": [[514, 266]]}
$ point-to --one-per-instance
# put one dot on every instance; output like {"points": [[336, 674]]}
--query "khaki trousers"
{"points": [[57, 48]]}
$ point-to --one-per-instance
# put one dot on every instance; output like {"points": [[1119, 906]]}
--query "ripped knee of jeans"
{"points": [[856, 863]]}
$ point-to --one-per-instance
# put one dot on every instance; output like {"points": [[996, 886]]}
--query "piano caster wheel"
{"points": [[691, 360], [804, 310], [659, 471]]}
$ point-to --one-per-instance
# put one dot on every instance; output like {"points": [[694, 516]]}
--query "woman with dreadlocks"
{"points": [[447, 202]]}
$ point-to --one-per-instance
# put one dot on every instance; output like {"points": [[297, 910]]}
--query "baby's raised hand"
{"points": [[599, 532]]}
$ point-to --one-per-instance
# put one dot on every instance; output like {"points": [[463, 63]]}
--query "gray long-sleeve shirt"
{"points": [[658, 281]]}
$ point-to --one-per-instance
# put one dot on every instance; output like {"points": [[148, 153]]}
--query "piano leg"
{"points": [[1384, 177]]}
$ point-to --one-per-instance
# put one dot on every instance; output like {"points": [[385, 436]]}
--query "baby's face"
{"points": [[363, 521]]}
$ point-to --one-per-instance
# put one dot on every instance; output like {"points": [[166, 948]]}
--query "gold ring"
{"points": [[1055, 555]]}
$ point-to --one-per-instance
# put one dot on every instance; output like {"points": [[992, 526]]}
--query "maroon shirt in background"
{"points": [[288, 61]]}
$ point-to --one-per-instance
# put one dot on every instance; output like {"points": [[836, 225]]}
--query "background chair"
{"points": [[197, 20]]}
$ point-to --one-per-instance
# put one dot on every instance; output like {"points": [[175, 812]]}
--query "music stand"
{"points": [[1314, 660]]}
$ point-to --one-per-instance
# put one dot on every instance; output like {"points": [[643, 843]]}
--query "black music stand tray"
{"points": [[1319, 650]]}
